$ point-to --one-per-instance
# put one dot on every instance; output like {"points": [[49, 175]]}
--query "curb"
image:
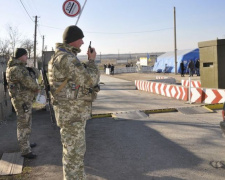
{"points": [[101, 115], [209, 107], [160, 110]]}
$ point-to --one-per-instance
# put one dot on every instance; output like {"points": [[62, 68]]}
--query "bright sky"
{"points": [[120, 26]]}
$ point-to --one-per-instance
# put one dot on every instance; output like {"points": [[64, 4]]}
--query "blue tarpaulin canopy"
{"points": [[167, 60]]}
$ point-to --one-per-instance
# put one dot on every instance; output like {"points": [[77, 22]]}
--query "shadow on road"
{"points": [[116, 150], [128, 149], [48, 164]]}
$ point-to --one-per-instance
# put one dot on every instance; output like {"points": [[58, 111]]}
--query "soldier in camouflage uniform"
{"points": [[73, 88], [23, 88]]}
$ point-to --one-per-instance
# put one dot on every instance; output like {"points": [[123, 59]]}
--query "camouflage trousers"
{"points": [[24, 121], [71, 117]]}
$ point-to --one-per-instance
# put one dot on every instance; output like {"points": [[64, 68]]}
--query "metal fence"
{"points": [[143, 69]]}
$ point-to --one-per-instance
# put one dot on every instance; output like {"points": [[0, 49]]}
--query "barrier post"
{"points": [[189, 94]]}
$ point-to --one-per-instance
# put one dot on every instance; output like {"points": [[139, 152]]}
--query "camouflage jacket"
{"points": [[79, 79], [21, 80]]}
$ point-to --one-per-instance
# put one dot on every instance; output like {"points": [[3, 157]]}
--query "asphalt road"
{"points": [[121, 95], [165, 146]]}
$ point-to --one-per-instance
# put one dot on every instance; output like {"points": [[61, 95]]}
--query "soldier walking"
{"points": [[23, 88], [73, 87]]}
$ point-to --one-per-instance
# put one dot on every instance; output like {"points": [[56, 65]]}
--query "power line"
{"points": [[32, 9], [130, 32], [32, 6], [39, 30], [51, 27], [26, 11], [113, 32]]}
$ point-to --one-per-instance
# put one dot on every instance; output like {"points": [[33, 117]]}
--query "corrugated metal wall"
{"points": [[5, 102]]}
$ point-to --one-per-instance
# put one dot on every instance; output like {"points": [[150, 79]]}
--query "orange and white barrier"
{"points": [[168, 90], [207, 96], [198, 95], [193, 83], [162, 77]]}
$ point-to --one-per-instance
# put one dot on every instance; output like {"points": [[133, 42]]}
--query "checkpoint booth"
{"points": [[212, 63]]}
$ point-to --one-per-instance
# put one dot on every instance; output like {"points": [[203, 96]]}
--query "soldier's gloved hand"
{"points": [[91, 55]]}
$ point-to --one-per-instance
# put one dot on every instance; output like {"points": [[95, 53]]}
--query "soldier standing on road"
{"points": [[23, 88], [73, 88]]}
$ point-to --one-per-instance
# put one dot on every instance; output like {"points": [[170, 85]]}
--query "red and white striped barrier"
{"points": [[198, 95], [162, 77], [193, 83], [207, 96], [168, 90]]}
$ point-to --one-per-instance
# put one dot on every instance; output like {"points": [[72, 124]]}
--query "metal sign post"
{"points": [[189, 95], [81, 12]]}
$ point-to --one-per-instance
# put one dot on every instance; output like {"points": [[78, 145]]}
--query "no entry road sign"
{"points": [[71, 8]]}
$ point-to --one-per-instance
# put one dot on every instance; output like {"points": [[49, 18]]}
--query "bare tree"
{"points": [[4, 48], [28, 44], [14, 37]]}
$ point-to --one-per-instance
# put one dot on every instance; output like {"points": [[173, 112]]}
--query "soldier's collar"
{"points": [[64, 50]]}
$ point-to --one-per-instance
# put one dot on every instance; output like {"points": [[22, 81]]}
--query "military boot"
{"points": [[30, 155], [32, 145]]}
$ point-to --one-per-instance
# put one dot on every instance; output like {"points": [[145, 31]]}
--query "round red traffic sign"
{"points": [[71, 8]]}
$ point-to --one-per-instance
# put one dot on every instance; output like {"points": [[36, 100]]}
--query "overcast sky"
{"points": [[120, 26]]}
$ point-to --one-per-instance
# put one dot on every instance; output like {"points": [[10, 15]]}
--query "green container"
{"points": [[212, 63]]}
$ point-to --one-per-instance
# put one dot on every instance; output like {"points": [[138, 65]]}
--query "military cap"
{"points": [[20, 52], [72, 33]]}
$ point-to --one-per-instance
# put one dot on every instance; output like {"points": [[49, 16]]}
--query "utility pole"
{"points": [[35, 40], [175, 41], [43, 42]]}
